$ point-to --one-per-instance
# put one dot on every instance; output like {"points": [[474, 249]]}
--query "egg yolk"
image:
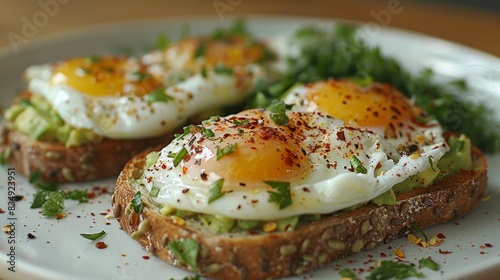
{"points": [[376, 105], [255, 159], [102, 76], [230, 52]]}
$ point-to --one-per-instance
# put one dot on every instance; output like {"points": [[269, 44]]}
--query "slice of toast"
{"points": [[259, 255], [58, 163]]}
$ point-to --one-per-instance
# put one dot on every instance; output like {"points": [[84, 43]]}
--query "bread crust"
{"points": [[308, 247], [58, 163]]}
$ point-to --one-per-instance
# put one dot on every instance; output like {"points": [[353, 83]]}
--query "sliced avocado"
{"points": [[288, 224], [248, 224], [218, 223], [152, 158], [31, 123], [459, 156]]}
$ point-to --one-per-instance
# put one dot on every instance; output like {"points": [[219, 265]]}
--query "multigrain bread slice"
{"points": [[59, 163], [256, 255]]}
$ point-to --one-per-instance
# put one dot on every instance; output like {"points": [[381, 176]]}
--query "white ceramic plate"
{"points": [[59, 252]]}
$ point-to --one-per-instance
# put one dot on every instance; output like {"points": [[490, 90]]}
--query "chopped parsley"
{"points": [[53, 203], [179, 156], [186, 250], [154, 191], [162, 41], [203, 71], [431, 163], [158, 95], [141, 76], [137, 203], [347, 273], [229, 149], [200, 50], [215, 190], [238, 122], [282, 194], [420, 231], [223, 70], [80, 195], [392, 269], [357, 165], [93, 236], [35, 179], [277, 110], [428, 263]]}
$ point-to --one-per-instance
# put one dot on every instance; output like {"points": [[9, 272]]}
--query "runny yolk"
{"points": [[254, 160], [375, 105], [102, 76]]}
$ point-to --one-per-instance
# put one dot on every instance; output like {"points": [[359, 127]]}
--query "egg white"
{"points": [[131, 117], [322, 189]]}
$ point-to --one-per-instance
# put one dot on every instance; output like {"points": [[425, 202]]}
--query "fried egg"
{"points": [[265, 171], [137, 97], [376, 107]]}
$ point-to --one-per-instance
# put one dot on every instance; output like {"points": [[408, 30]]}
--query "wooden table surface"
{"points": [[472, 27]]}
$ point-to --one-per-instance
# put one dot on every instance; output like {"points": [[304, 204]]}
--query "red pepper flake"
{"points": [[383, 255], [440, 235], [482, 253], [91, 195], [185, 190], [103, 213], [457, 223], [145, 257], [92, 214], [104, 191], [444, 252], [488, 245], [101, 245], [341, 135], [1, 211], [96, 188]]}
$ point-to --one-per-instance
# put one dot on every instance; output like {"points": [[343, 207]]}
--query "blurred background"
{"points": [[471, 23]]}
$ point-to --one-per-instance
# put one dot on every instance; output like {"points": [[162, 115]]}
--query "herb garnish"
{"points": [[141, 76], [200, 50], [215, 190], [137, 202], [162, 41], [357, 165], [154, 191], [431, 163], [391, 269], [35, 179], [158, 95], [186, 250], [223, 70], [93, 236], [278, 112], [347, 273], [229, 149], [53, 203], [282, 197], [242, 122], [419, 230], [179, 156], [429, 263]]}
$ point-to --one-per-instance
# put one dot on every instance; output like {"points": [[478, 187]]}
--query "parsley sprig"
{"points": [[282, 194]]}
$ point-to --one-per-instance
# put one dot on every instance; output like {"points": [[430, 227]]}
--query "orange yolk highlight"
{"points": [[102, 76], [254, 160], [376, 105]]}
